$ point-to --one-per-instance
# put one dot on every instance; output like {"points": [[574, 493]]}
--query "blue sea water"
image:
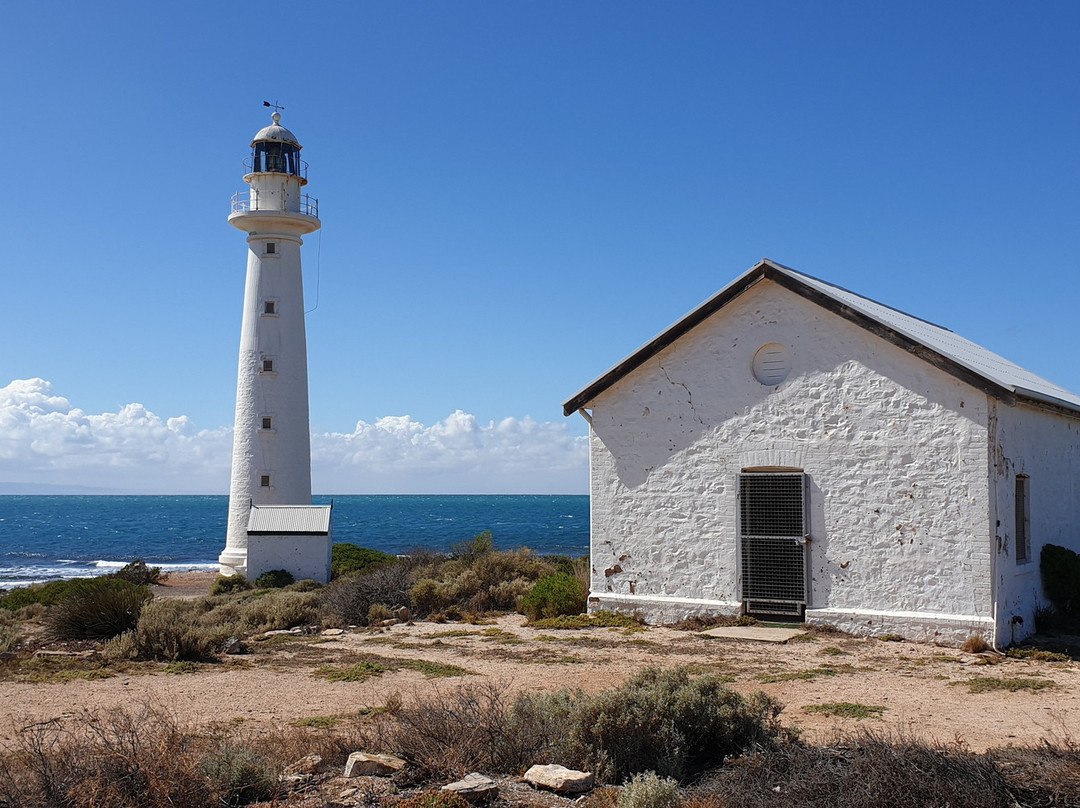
{"points": [[45, 538]]}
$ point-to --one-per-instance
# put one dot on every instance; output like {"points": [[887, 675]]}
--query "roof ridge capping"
{"points": [[933, 343]]}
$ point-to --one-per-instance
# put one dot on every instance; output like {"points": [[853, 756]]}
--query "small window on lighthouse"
{"points": [[269, 307], [268, 366], [264, 481], [271, 247], [267, 422]]}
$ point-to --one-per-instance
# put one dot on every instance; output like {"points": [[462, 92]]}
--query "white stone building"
{"points": [[791, 448]]}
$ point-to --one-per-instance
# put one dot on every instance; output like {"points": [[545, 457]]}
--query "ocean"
{"points": [[44, 538]]}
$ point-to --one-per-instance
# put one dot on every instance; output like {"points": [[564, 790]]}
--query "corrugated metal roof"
{"points": [[289, 519], [953, 349]]}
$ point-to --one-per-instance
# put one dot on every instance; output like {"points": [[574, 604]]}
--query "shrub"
{"points": [[647, 790], [230, 583], [274, 610], [274, 579], [663, 721], [1060, 571], [555, 595], [239, 774], [377, 613], [471, 549], [350, 598], [434, 799], [304, 585], [975, 644], [120, 648], [138, 573], [9, 637], [97, 608], [174, 630], [43, 594], [427, 596], [346, 559]]}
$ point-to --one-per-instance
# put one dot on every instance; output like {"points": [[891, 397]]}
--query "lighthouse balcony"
{"points": [[306, 205]]}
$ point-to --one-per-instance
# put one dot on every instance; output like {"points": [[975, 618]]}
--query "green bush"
{"points": [[647, 790], [180, 630], [555, 595], [346, 559], [97, 609], [434, 799], [240, 775], [660, 720], [273, 611], [45, 594], [471, 549], [230, 583], [274, 579], [1060, 571], [138, 573]]}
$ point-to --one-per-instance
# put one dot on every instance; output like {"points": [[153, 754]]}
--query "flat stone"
{"points": [[333, 632], [309, 764], [757, 633], [474, 787], [365, 764], [559, 778]]}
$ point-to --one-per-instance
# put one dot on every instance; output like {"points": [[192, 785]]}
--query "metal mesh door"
{"points": [[772, 530]]}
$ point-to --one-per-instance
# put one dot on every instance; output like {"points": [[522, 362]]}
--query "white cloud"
{"points": [[46, 442]]}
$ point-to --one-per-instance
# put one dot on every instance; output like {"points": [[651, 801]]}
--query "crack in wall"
{"points": [[689, 395]]}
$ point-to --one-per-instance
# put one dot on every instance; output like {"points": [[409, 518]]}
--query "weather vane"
{"points": [[275, 105]]}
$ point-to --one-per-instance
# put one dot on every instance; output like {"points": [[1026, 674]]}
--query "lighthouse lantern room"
{"points": [[271, 464]]}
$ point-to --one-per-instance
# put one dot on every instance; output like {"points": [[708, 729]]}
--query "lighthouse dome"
{"points": [[275, 132]]}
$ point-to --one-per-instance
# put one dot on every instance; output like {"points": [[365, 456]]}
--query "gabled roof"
{"points": [[939, 346], [289, 519]]}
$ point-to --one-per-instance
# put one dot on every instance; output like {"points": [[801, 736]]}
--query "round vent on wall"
{"points": [[772, 364]]}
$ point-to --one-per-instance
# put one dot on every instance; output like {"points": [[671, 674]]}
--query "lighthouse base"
{"points": [[233, 562]]}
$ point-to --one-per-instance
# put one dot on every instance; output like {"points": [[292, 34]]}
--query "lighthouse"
{"points": [[272, 524]]}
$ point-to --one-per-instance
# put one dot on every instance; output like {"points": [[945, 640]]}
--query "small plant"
{"points": [[97, 608], [793, 676], [230, 583], [471, 549], [986, 684], [832, 650], [377, 613], [554, 596], [239, 774], [1037, 654], [891, 637], [975, 644], [648, 790], [180, 668], [346, 559], [846, 709], [138, 573], [434, 799], [360, 672], [274, 579], [9, 637]]}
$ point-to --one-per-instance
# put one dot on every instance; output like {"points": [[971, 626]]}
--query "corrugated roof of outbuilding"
{"points": [[939, 346], [289, 519]]}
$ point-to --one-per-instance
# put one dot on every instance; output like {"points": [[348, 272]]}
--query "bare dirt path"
{"points": [[922, 690]]}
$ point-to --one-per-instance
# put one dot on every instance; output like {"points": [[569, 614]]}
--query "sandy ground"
{"points": [[922, 688]]}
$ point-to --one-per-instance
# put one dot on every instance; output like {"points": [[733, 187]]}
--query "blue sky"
{"points": [[514, 196]]}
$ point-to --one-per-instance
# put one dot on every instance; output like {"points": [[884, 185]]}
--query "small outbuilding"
{"points": [[294, 538], [792, 449]]}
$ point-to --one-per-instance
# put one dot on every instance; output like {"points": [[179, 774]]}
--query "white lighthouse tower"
{"points": [[270, 492]]}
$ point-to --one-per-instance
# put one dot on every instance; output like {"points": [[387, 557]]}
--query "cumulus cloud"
{"points": [[47, 444]]}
